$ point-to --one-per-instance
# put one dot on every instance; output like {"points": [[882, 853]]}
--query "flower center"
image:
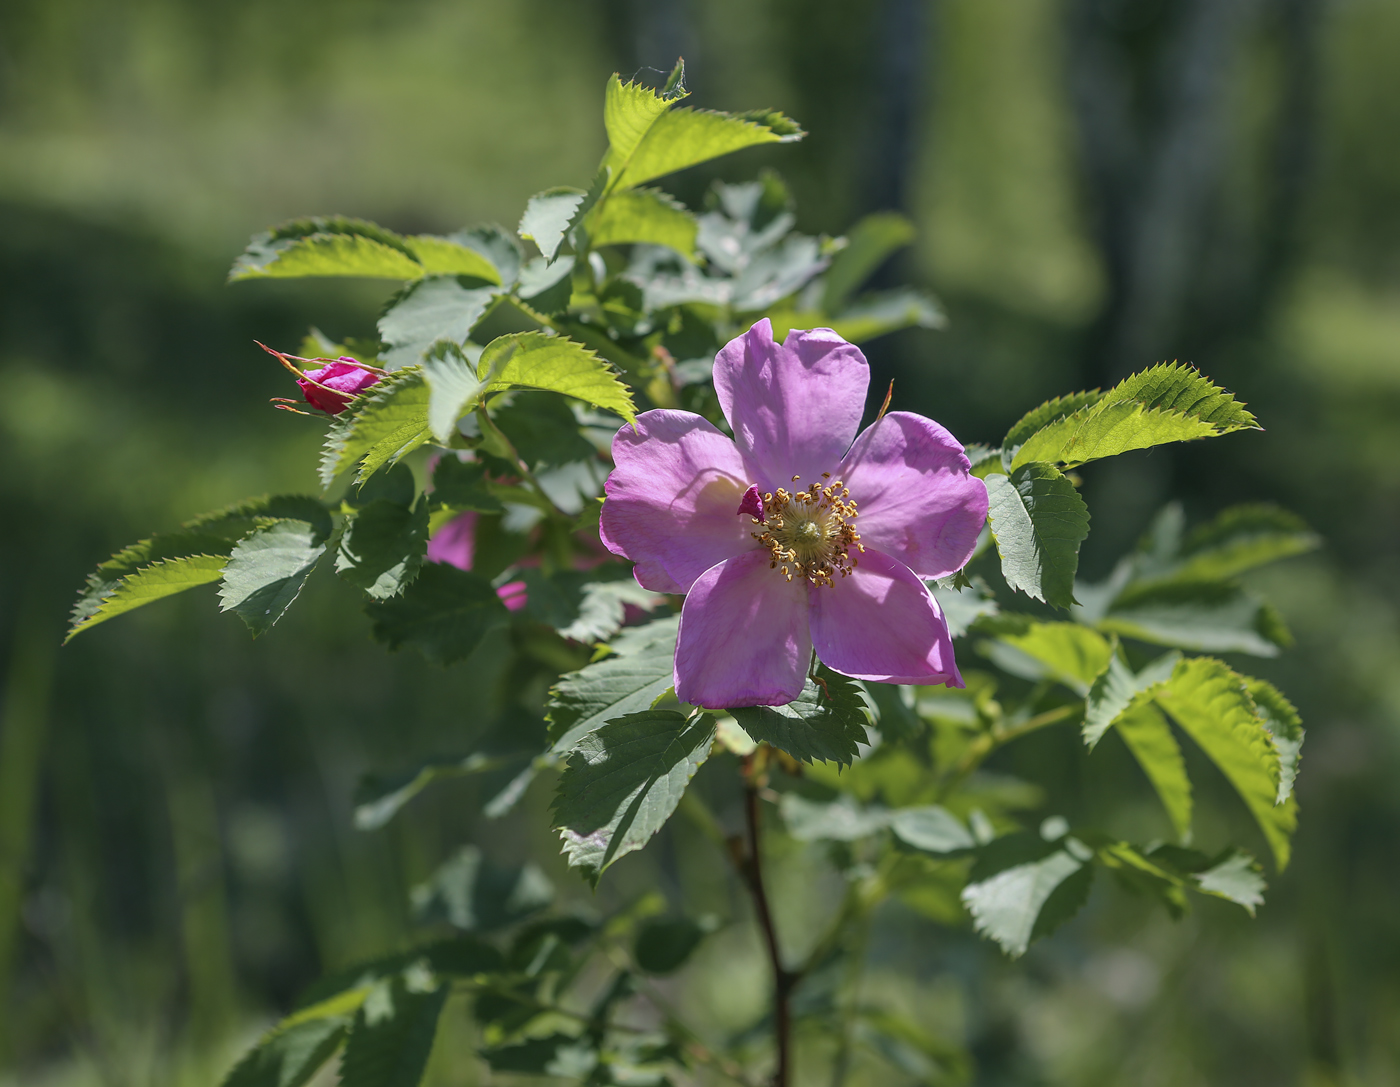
{"points": [[810, 533]]}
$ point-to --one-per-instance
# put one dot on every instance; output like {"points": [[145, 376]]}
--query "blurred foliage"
{"points": [[190, 861]]}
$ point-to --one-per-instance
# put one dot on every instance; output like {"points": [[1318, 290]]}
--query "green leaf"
{"points": [[547, 218], [292, 1052], [461, 485], [1116, 688], [663, 944], [1237, 878], [646, 216], [1211, 616], [1052, 411], [1038, 521], [433, 309], [623, 781], [470, 892], [1023, 887], [444, 614], [602, 608], [931, 829], [1149, 738], [1166, 403], [629, 111], [235, 521], [868, 245], [448, 256], [902, 1043], [267, 570], [841, 820], [392, 1035], [329, 245], [555, 364], [641, 672], [963, 607], [1240, 539], [1068, 652], [681, 138], [869, 316], [820, 725], [560, 1055], [383, 546], [453, 388], [388, 422], [158, 567], [1282, 720], [1212, 705]]}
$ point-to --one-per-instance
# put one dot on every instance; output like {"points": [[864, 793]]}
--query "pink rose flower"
{"points": [[797, 534], [334, 385]]}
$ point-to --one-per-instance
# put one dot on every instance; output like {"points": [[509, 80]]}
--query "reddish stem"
{"points": [[783, 979]]}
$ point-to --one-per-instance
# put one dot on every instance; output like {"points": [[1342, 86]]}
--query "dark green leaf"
{"points": [[1038, 521], [470, 892], [623, 781], [1241, 539], [820, 725], [963, 607], [266, 571], [235, 521], [461, 485], [444, 614], [1212, 616], [392, 1034], [294, 1050], [639, 674], [556, 1055], [383, 546], [664, 944]]}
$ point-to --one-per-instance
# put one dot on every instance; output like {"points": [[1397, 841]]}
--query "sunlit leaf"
{"points": [[643, 215], [433, 309], [266, 572], [556, 364], [1038, 521], [547, 217]]}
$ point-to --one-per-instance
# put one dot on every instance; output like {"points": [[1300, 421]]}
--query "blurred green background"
{"points": [[1098, 185]]}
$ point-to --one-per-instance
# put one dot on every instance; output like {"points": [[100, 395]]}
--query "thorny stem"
{"points": [[784, 980]]}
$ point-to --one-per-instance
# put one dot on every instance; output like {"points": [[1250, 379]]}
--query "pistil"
{"points": [[810, 533]]}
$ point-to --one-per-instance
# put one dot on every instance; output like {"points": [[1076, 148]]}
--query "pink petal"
{"points": [[455, 542], [916, 500], [671, 499], [795, 406], [743, 638], [513, 595], [881, 623]]}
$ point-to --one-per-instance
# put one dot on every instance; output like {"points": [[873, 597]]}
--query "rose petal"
{"points": [[918, 503], [881, 623], [795, 406], [455, 542], [671, 499], [743, 638]]}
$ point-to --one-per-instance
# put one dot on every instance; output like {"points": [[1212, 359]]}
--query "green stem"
{"points": [[982, 748]]}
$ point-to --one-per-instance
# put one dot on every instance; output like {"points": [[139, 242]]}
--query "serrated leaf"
{"points": [[444, 614], [646, 216], [1210, 616], [470, 892], [266, 571], [1237, 878], [462, 485], [1240, 539], [1022, 887], [1166, 403], [447, 256], [383, 546], [388, 422], [233, 522], [963, 607], [392, 1036], [547, 217], [629, 111], [453, 388], [327, 246], [931, 829], [1116, 688], [1038, 521], [1212, 705], [825, 723], [1068, 652], [603, 608], [773, 274], [623, 781], [1150, 739], [292, 1052], [840, 820], [150, 570], [433, 309], [642, 670], [868, 245], [555, 364], [1052, 411], [1282, 720], [681, 138]]}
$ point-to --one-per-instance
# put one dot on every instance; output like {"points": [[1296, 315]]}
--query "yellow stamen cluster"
{"points": [[810, 532]]}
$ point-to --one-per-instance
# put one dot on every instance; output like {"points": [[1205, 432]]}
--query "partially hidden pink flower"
{"points": [[334, 385], [454, 543], [797, 534]]}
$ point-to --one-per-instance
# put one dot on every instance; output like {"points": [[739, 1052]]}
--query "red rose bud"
{"points": [[333, 386]]}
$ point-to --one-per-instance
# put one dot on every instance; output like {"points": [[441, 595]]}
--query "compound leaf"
{"points": [[266, 571], [1038, 521], [392, 1035]]}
